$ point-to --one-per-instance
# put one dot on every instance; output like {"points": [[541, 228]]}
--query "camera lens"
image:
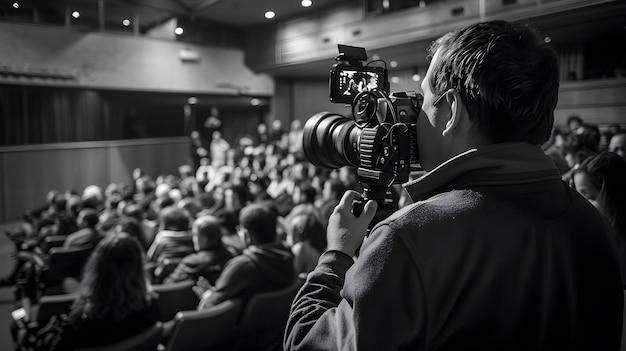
{"points": [[330, 140]]}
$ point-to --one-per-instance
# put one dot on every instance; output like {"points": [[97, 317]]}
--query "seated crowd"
{"points": [[250, 222]]}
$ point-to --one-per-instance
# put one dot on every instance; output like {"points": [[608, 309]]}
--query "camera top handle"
{"points": [[353, 55]]}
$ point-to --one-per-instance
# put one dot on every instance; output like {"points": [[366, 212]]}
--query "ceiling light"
{"points": [[178, 30], [393, 64], [395, 80], [192, 100], [75, 14], [255, 102], [547, 40], [386, 4], [306, 3], [16, 5], [270, 14], [416, 77], [126, 22]]}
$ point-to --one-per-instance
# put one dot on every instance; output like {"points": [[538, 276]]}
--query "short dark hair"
{"points": [[89, 217], [337, 187], [260, 221], [209, 231], [506, 75], [174, 218], [607, 171]]}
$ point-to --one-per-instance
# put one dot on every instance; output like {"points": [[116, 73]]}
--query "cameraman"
{"points": [[496, 252]]}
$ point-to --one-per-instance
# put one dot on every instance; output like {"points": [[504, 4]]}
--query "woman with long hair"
{"points": [[601, 179], [114, 300]]}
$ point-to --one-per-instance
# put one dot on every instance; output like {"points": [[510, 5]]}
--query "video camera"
{"points": [[380, 139]]}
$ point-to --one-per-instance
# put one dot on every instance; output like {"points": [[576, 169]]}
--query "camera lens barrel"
{"points": [[330, 140]]}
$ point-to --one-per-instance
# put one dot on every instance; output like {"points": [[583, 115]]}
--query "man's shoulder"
{"points": [[436, 208]]}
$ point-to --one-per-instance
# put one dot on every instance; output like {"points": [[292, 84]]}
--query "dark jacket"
{"points": [[85, 332], [497, 253], [206, 263], [86, 237], [258, 269]]}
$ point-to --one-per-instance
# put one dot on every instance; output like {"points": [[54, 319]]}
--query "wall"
{"points": [[104, 60], [315, 36], [599, 101], [27, 173]]}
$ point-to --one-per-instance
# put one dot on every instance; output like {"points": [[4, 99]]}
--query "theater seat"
{"points": [[208, 329], [264, 319], [147, 340], [63, 262], [175, 297], [50, 305]]}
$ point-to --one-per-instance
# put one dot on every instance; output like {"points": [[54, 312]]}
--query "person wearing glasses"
{"points": [[496, 252]]}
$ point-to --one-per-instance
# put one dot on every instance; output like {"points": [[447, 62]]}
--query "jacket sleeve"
{"points": [[376, 310]]}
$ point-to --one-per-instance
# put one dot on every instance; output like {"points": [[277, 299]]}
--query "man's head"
{"points": [[333, 189], [207, 233], [258, 224], [235, 196], [618, 144], [573, 123], [174, 218], [488, 83], [87, 218]]}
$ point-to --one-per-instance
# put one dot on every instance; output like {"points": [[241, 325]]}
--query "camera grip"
{"points": [[358, 204]]}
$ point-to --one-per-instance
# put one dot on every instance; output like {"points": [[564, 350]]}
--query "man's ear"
{"points": [[453, 99]]}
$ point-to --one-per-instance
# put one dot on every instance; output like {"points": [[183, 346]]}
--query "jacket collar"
{"points": [[498, 164]]}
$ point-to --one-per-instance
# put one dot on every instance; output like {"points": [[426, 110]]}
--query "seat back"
{"points": [[175, 297], [208, 329], [64, 262], [50, 305], [147, 340], [264, 318], [165, 268]]}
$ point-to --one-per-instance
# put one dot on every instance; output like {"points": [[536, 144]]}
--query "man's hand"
{"points": [[345, 230], [202, 286]]}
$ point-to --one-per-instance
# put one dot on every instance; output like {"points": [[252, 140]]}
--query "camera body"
{"points": [[380, 138]]}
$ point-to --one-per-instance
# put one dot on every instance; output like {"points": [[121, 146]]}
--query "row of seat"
{"points": [[258, 325]]}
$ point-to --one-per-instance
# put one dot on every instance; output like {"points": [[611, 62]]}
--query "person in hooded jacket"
{"points": [[265, 264]]}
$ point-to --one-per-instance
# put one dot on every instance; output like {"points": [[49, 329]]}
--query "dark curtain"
{"points": [[31, 115]]}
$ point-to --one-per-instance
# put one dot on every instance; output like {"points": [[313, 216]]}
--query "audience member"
{"points": [[113, 301], [197, 151], [209, 257], [331, 194], [133, 227], [257, 188], [576, 148], [573, 123], [601, 179], [173, 238], [93, 197], [235, 197], [88, 235], [617, 144], [265, 264], [554, 148], [305, 237]]}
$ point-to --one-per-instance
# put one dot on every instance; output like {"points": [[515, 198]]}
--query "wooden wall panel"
{"points": [[125, 62], [28, 173]]}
